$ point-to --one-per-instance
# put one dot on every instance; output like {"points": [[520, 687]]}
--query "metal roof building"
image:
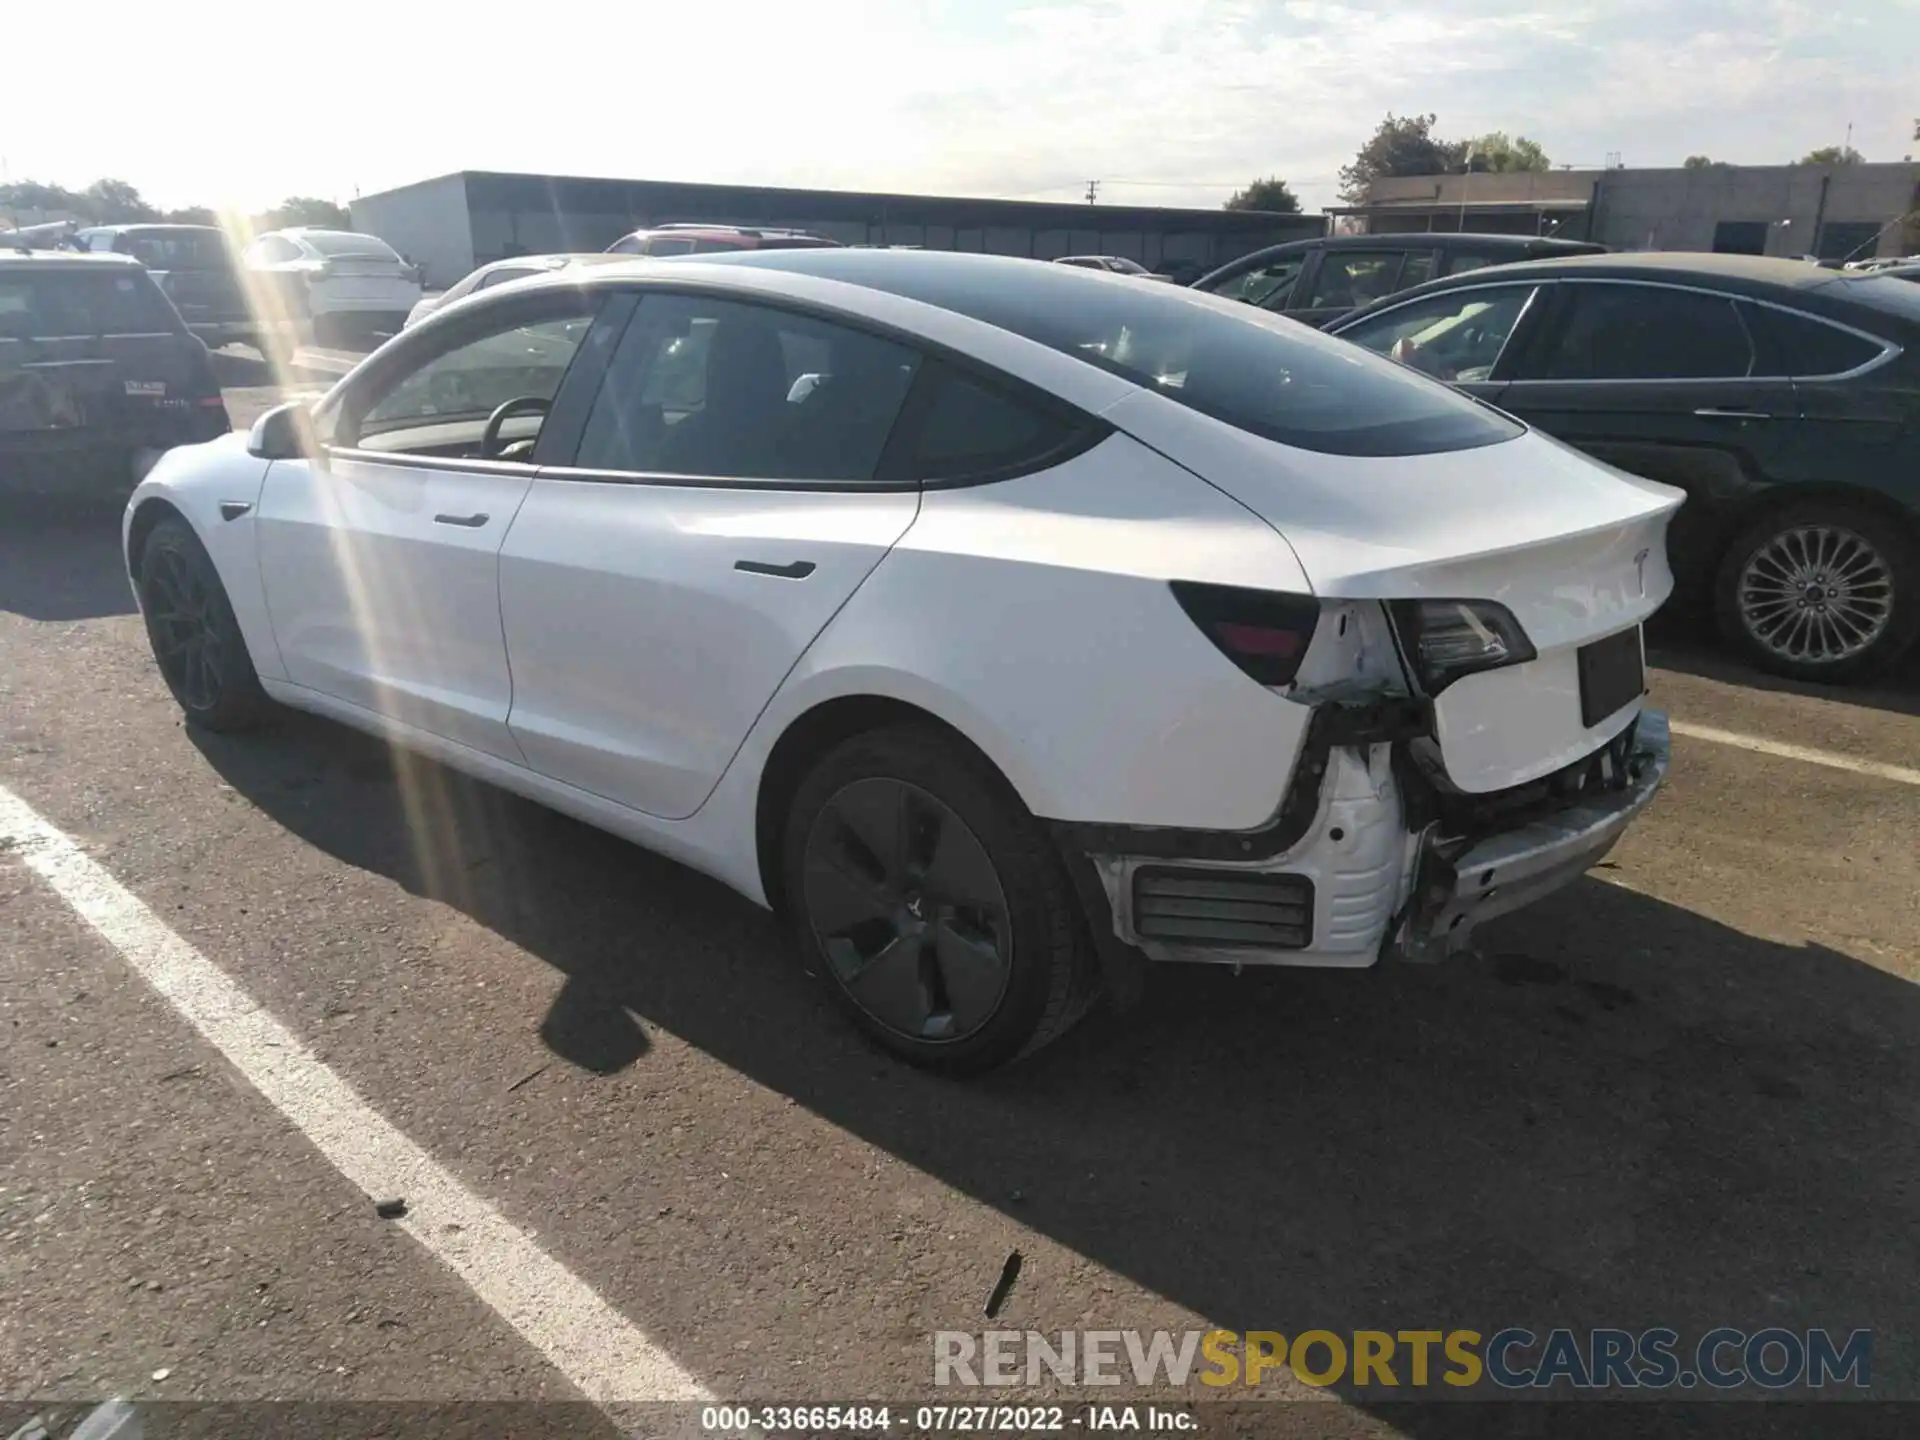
{"points": [[451, 224]]}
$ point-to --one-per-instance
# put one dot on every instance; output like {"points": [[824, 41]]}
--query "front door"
{"points": [[380, 556]]}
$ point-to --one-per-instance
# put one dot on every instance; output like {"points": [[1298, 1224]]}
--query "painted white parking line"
{"points": [[603, 1353], [1879, 769]]}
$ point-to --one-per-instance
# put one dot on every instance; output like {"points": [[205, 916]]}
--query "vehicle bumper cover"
{"points": [[1504, 872]]}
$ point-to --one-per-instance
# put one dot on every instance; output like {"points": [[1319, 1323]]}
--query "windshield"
{"points": [[1255, 371], [339, 244]]}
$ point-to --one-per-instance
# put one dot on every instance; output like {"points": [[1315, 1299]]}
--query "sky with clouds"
{"points": [[1165, 101]]}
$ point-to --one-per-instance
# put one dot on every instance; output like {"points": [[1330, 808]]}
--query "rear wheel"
{"points": [[195, 638], [1819, 591], [931, 903]]}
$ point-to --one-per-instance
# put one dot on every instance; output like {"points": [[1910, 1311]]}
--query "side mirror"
{"points": [[284, 433]]}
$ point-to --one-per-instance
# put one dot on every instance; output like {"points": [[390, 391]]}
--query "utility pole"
{"points": [[1093, 191]]}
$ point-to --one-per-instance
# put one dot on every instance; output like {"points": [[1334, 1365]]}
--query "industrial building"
{"points": [[451, 224], [1833, 212]]}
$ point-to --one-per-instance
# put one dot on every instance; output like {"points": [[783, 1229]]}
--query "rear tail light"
{"points": [[1446, 639], [1264, 632]]}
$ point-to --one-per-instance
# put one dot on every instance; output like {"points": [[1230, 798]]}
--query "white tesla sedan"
{"points": [[998, 624]]}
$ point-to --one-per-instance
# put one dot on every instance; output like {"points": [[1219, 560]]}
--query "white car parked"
{"points": [[327, 286], [500, 272], [998, 624]]}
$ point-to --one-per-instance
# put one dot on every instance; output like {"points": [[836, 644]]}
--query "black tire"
{"points": [[195, 638], [1038, 933], [1876, 548]]}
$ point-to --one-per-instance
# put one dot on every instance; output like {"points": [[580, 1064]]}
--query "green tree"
{"points": [[1270, 195], [1699, 162], [115, 202], [1402, 145], [1496, 153], [1832, 155], [303, 210], [191, 215]]}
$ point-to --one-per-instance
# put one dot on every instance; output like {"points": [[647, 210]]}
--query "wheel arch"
{"points": [[810, 735], [141, 524], [1774, 499]]}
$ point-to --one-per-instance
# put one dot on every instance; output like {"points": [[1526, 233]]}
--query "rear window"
{"points": [[176, 249], [37, 304], [1260, 373], [338, 244], [1804, 346]]}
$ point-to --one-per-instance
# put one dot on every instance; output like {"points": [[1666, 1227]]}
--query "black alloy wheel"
{"points": [[195, 638], [908, 909], [931, 903]]}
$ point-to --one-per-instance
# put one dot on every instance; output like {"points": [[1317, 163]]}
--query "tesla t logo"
{"points": [[1640, 570]]}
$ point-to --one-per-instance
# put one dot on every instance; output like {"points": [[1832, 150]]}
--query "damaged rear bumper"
{"points": [[1457, 889], [1366, 861]]}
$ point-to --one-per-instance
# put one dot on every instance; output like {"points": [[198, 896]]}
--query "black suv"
{"points": [[1782, 397], [194, 265], [98, 375], [1318, 281]]}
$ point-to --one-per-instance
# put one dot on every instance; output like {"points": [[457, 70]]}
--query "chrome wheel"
{"points": [[188, 629], [1816, 593], [907, 909]]}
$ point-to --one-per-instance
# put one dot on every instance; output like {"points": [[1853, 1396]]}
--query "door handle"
{"points": [[471, 522], [798, 570], [1711, 413]]}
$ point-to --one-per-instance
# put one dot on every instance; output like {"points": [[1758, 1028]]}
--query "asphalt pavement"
{"points": [[1685, 1092]]}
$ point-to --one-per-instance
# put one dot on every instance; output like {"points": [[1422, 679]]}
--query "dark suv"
{"points": [[194, 265], [1318, 281], [98, 375], [691, 239]]}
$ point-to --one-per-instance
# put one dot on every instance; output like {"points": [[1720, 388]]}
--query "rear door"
{"points": [[380, 557], [1663, 381], [726, 498]]}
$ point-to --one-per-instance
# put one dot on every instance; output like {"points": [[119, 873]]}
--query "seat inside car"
{"points": [[736, 429]]}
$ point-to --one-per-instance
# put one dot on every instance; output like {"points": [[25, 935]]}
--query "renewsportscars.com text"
{"points": [[1514, 1358]]}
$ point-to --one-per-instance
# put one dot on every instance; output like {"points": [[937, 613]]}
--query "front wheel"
{"points": [[195, 638], [932, 904], [1822, 592]]}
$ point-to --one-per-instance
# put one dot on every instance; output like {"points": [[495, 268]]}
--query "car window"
{"points": [[628, 245], [669, 245], [1417, 269], [714, 247], [272, 250], [1461, 261], [1349, 279], [441, 405], [177, 249], [1645, 332], [1266, 285], [1806, 347], [345, 245], [719, 389], [1457, 336], [1244, 367], [51, 302], [971, 428]]}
